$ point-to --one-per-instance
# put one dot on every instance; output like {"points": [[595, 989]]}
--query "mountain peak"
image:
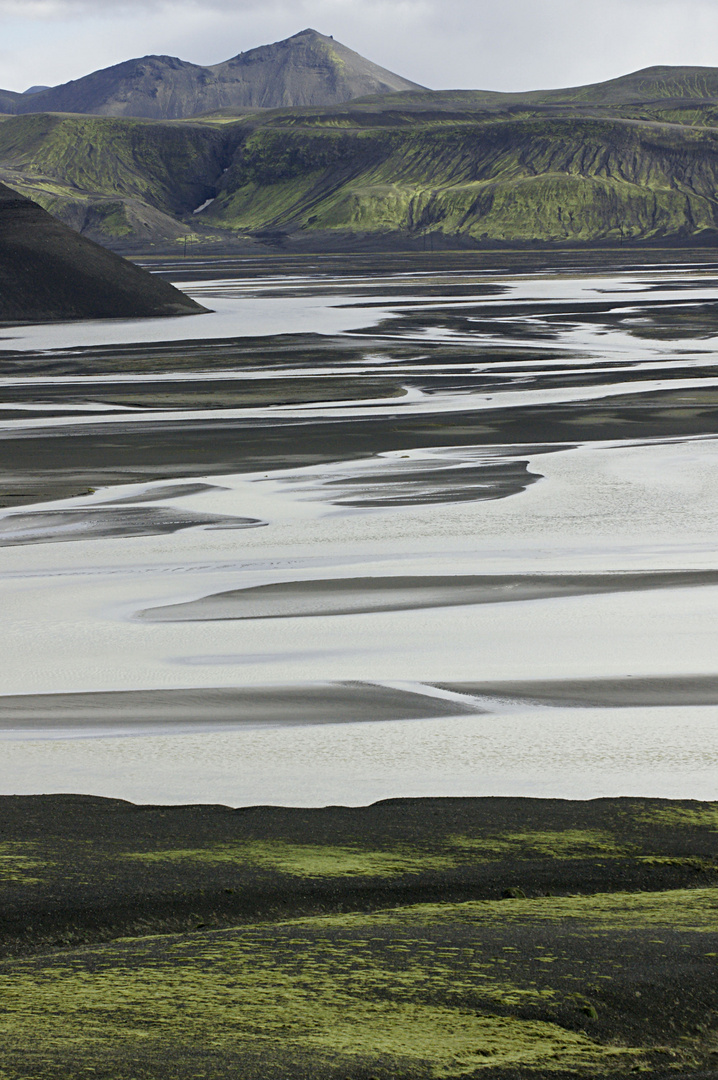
{"points": [[308, 68]]}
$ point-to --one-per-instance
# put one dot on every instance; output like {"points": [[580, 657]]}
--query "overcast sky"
{"points": [[487, 44]]}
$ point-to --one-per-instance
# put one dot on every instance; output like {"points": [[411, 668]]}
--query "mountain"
{"points": [[514, 179], [48, 273], [109, 177], [9, 101], [651, 85], [630, 160], [648, 84], [306, 69]]}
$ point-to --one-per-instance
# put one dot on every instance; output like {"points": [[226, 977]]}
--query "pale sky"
{"points": [[481, 44]]}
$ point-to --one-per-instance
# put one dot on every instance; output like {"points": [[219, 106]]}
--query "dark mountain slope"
{"points": [[649, 85], [306, 69], [48, 273], [159, 87], [9, 101]]}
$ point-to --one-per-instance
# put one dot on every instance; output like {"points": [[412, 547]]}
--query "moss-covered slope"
{"points": [[405, 170], [431, 938], [109, 178], [505, 180]]}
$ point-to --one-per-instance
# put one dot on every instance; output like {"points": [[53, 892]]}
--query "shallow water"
{"points": [[528, 461]]}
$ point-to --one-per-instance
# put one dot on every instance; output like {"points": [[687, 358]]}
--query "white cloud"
{"points": [[518, 44]]}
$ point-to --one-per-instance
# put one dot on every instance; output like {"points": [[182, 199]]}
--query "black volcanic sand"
{"points": [[106, 522], [627, 692], [49, 272], [199, 394], [41, 465], [38, 467], [497, 938]]}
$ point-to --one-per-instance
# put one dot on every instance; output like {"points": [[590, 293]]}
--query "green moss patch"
{"points": [[554, 844], [319, 977], [702, 816], [689, 909], [431, 990], [305, 860], [328, 1005], [314, 860], [18, 864]]}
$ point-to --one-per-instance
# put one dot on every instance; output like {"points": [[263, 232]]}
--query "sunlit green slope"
{"points": [[631, 160], [506, 180], [112, 177]]}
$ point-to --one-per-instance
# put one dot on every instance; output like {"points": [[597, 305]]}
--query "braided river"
{"points": [[371, 528]]}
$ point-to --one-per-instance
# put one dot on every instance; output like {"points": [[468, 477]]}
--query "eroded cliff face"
{"points": [[555, 180], [48, 272], [449, 169]]}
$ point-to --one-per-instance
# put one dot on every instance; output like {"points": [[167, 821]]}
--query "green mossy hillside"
{"points": [[554, 986], [631, 160], [112, 178], [427, 939], [555, 180], [221, 866], [459, 176]]}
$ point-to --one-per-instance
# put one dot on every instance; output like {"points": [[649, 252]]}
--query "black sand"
{"points": [[49, 272], [205, 708], [628, 692], [105, 522], [497, 938]]}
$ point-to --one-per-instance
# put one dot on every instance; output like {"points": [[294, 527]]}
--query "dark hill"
{"points": [[306, 69], [10, 101], [648, 84], [660, 84], [48, 272]]}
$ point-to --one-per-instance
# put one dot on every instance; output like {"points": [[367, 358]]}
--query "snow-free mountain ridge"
{"points": [[631, 160], [306, 69]]}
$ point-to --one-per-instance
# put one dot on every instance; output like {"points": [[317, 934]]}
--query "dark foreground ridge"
{"points": [[48, 272], [496, 938]]}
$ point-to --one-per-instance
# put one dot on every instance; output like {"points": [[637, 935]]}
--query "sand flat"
{"points": [[209, 707], [353, 596], [628, 692]]}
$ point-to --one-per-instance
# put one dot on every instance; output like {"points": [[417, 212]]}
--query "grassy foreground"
{"points": [[414, 938]]}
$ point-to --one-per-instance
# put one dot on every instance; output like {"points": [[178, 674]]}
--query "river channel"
{"points": [[368, 529]]}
